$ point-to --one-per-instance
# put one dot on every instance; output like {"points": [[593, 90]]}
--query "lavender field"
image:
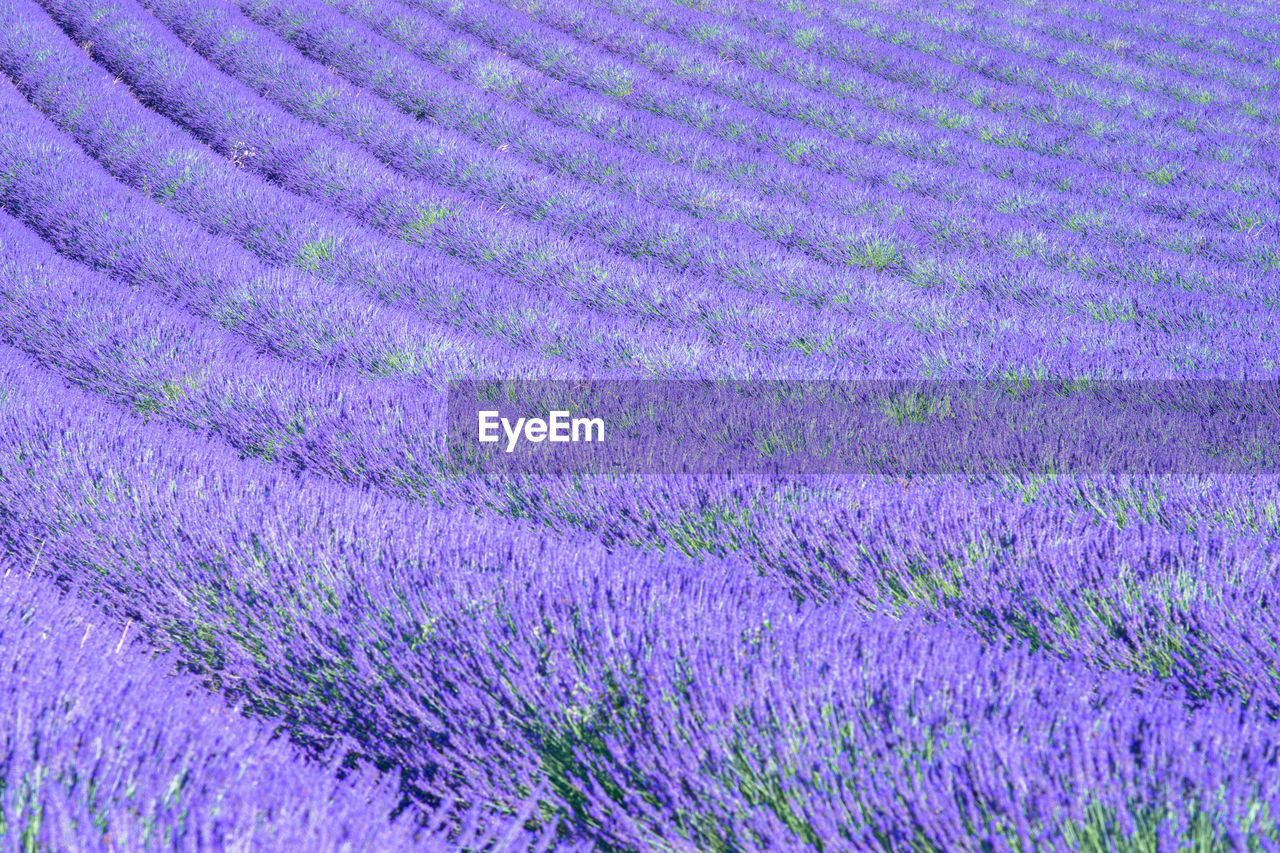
{"points": [[250, 601]]}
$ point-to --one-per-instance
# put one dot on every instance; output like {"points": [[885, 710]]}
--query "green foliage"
{"points": [[917, 407], [796, 151], [321, 97], [877, 254], [426, 219], [315, 254], [497, 76], [1106, 312], [948, 120], [166, 393], [1162, 177], [806, 37], [808, 344]]}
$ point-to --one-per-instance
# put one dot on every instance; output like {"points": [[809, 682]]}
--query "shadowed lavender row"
{"points": [[384, 436]]}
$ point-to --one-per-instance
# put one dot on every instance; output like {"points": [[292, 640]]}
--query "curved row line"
{"points": [[705, 45], [980, 83], [362, 57], [686, 62], [154, 157], [1157, 24], [1041, 329], [620, 224], [1054, 35], [225, 115], [551, 52], [104, 747]]}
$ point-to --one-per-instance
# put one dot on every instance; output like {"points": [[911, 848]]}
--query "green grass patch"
{"points": [[317, 253]]}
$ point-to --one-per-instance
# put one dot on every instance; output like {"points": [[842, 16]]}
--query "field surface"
{"points": [[250, 603]]}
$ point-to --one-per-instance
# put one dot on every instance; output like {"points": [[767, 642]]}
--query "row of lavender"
{"points": [[546, 48], [879, 243], [292, 166], [1174, 620], [270, 417], [163, 364], [170, 388], [1136, 324], [105, 749], [492, 662]]}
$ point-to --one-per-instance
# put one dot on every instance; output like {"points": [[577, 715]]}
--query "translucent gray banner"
{"points": [[890, 427]]}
